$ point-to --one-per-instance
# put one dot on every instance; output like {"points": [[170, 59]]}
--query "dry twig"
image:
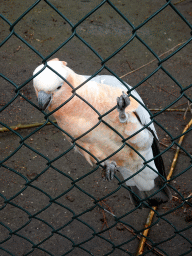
{"points": [[166, 91], [189, 107], [110, 211], [177, 150], [151, 213], [179, 2], [27, 126], [146, 231], [23, 126], [152, 60], [172, 148], [169, 109], [105, 219]]}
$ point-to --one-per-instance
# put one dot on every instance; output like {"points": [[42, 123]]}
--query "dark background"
{"points": [[105, 31]]}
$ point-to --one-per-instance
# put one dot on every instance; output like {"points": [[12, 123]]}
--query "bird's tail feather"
{"points": [[163, 196]]}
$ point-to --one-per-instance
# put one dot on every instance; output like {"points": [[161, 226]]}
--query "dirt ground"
{"points": [[40, 208]]}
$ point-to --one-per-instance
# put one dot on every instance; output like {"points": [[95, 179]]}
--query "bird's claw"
{"points": [[110, 169], [122, 102]]}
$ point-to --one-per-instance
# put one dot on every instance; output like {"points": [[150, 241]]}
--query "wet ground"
{"points": [[30, 215]]}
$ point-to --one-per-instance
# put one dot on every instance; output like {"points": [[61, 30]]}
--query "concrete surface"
{"points": [[105, 31]]}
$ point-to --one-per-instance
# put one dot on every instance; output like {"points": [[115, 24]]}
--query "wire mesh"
{"points": [[72, 218]]}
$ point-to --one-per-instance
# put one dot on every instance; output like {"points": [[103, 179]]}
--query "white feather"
{"points": [[114, 82], [48, 80]]}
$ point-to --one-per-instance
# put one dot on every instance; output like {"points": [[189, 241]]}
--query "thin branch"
{"points": [[146, 231], [152, 60], [169, 109], [180, 105], [110, 211], [105, 219], [172, 148], [142, 243], [23, 126], [166, 91], [179, 2], [177, 151], [27, 126]]}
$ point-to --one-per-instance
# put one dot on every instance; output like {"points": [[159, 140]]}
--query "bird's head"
{"points": [[48, 85]]}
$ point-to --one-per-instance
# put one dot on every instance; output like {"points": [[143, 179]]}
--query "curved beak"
{"points": [[44, 99]]}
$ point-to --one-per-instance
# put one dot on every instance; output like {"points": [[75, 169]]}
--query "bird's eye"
{"points": [[58, 87]]}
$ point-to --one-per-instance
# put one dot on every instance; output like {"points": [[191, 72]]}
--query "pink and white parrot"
{"points": [[76, 117]]}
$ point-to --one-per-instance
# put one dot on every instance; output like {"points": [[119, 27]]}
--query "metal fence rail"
{"points": [[9, 233]]}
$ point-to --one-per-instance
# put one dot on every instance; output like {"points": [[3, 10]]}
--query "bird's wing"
{"points": [[141, 112], [144, 118]]}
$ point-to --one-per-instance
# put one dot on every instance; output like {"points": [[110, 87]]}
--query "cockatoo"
{"points": [[76, 117]]}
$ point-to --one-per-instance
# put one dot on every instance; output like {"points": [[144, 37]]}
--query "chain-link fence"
{"points": [[52, 201]]}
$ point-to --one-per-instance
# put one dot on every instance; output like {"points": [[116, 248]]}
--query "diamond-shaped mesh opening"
{"points": [[51, 245], [52, 202], [40, 32], [105, 23], [159, 36]]}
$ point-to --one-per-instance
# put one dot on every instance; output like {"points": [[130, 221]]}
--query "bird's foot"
{"points": [[110, 169], [122, 102]]}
